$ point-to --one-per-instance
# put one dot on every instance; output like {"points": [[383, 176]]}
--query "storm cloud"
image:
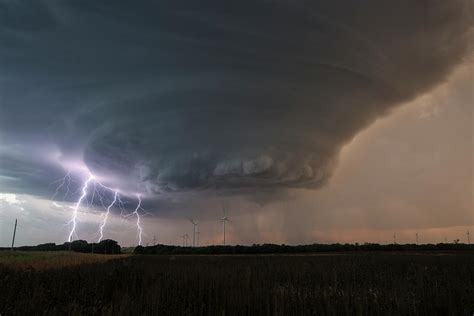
{"points": [[168, 97]]}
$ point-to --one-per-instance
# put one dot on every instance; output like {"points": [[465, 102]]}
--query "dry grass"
{"points": [[349, 284], [44, 260]]}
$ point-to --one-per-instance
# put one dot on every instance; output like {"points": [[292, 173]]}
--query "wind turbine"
{"points": [[187, 237], [224, 219], [195, 224], [197, 238], [185, 240]]}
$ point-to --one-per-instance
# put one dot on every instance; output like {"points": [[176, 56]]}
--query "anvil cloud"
{"points": [[164, 97]]}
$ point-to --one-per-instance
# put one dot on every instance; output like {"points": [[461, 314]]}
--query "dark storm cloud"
{"points": [[173, 96]]}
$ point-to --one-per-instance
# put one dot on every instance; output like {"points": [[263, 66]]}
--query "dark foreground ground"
{"points": [[334, 284]]}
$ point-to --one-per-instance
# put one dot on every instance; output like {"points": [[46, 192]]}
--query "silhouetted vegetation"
{"points": [[363, 283], [107, 246], [286, 249]]}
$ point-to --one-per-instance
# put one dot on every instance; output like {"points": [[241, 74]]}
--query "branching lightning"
{"points": [[76, 207], [137, 214], [106, 216], [64, 182], [90, 189]]}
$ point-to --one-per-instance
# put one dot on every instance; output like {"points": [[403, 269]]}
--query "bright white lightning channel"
{"points": [[137, 214], [76, 207], [85, 192], [106, 216]]}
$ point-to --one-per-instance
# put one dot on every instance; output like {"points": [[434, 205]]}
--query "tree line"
{"points": [[107, 246], [287, 249]]}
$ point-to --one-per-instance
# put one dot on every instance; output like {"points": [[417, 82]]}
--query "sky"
{"points": [[309, 121]]}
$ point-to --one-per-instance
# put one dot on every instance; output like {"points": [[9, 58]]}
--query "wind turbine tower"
{"points": [[197, 236], [468, 235], [224, 219], [195, 224], [185, 240]]}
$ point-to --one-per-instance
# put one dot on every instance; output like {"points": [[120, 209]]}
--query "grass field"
{"points": [[339, 284], [41, 260]]}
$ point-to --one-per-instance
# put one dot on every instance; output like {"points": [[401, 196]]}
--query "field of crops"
{"points": [[333, 284]]}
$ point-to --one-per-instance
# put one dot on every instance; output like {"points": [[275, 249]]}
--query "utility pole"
{"points": [[14, 233], [468, 237], [417, 238]]}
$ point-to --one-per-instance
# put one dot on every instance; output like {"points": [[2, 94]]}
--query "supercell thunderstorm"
{"points": [[150, 101]]}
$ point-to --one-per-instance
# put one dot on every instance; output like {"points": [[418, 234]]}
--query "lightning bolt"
{"points": [[65, 181], [104, 221], [139, 227], [91, 189], [76, 208], [137, 214]]}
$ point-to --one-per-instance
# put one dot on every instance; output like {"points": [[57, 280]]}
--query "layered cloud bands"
{"points": [[172, 96]]}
